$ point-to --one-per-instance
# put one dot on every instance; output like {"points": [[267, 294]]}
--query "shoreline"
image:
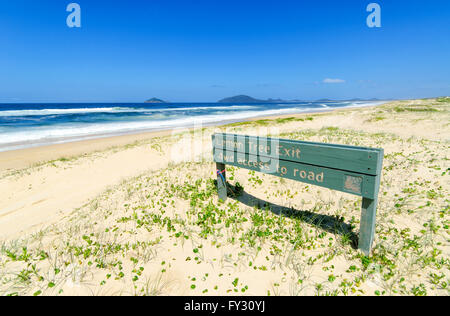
{"points": [[26, 157]]}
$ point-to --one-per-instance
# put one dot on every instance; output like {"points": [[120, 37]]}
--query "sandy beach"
{"points": [[139, 214]]}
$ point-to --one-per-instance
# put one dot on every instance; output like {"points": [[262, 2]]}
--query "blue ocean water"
{"points": [[29, 125]]}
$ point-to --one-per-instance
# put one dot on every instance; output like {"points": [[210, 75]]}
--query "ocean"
{"points": [[30, 125]]}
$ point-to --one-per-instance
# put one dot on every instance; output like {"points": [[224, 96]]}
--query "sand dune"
{"points": [[146, 195]]}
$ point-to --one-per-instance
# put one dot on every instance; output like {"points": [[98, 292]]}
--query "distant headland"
{"points": [[247, 99], [155, 100]]}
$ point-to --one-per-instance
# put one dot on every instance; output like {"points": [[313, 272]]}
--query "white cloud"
{"points": [[329, 80]]}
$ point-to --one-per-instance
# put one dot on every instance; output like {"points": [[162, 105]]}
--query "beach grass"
{"points": [[165, 232]]}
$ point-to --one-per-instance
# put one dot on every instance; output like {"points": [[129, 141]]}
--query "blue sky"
{"points": [[129, 51]]}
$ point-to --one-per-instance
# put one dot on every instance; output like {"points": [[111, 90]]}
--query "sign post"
{"points": [[350, 169]]}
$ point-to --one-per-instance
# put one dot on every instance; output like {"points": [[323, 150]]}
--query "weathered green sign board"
{"points": [[355, 170]]}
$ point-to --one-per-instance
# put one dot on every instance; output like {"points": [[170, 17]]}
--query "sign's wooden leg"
{"points": [[367, 230], [221, 181]]}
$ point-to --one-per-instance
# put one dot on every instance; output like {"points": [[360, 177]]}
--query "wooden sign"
{"points": [[354, 170]]}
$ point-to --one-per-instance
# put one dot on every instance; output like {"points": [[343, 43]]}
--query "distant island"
{"points": [[247, 99], [155, 100]]}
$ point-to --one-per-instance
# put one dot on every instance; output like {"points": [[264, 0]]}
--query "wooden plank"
{"points": [[345, 181], [349, 158]]}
